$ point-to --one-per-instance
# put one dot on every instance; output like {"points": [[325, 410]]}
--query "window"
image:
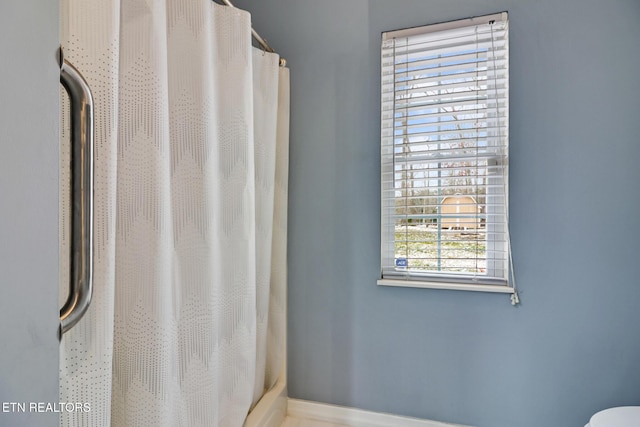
{"points": [[445, 155]]}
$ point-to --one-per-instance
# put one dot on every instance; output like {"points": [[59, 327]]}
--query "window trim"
{"points": [[436, 280], [428, 284]]}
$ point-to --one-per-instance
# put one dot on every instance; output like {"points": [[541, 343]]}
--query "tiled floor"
{"points": [[297, 422]]}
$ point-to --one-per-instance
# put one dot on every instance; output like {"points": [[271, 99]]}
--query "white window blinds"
{"points": [[445, 152]]}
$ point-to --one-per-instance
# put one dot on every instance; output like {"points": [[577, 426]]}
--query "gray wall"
{"points": [[573, 346], [29, 114]]}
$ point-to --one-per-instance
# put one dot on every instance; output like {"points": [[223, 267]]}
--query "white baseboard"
{"points": [[354, 417]]}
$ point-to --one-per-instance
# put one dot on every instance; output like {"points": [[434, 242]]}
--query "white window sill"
{"points": [[443, 285]]}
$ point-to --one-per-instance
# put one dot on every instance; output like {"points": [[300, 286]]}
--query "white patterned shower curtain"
{"points": [[186, 327]]}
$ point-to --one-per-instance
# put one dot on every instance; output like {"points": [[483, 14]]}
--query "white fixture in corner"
{"points": [[354, 417], [624, 416]]}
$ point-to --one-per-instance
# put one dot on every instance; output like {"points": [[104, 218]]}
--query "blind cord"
{"points": [[515, 299]]}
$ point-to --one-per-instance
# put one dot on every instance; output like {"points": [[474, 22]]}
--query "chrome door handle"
{"points": [[82, 145]]}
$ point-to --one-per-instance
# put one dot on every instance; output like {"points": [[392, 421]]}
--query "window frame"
{"points": [[390, 274]]}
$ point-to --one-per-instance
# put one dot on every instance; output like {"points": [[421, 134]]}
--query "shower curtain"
{"points": [[186, 327]]}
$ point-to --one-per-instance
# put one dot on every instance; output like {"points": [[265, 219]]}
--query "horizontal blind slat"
{"points": [[403, 51], [463, 58]]}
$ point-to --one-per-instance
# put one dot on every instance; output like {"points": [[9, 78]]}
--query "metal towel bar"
{"points": [[82, 145]]}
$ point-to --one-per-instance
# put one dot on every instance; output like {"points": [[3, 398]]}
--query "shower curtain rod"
{"points": [[259, 39]]}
